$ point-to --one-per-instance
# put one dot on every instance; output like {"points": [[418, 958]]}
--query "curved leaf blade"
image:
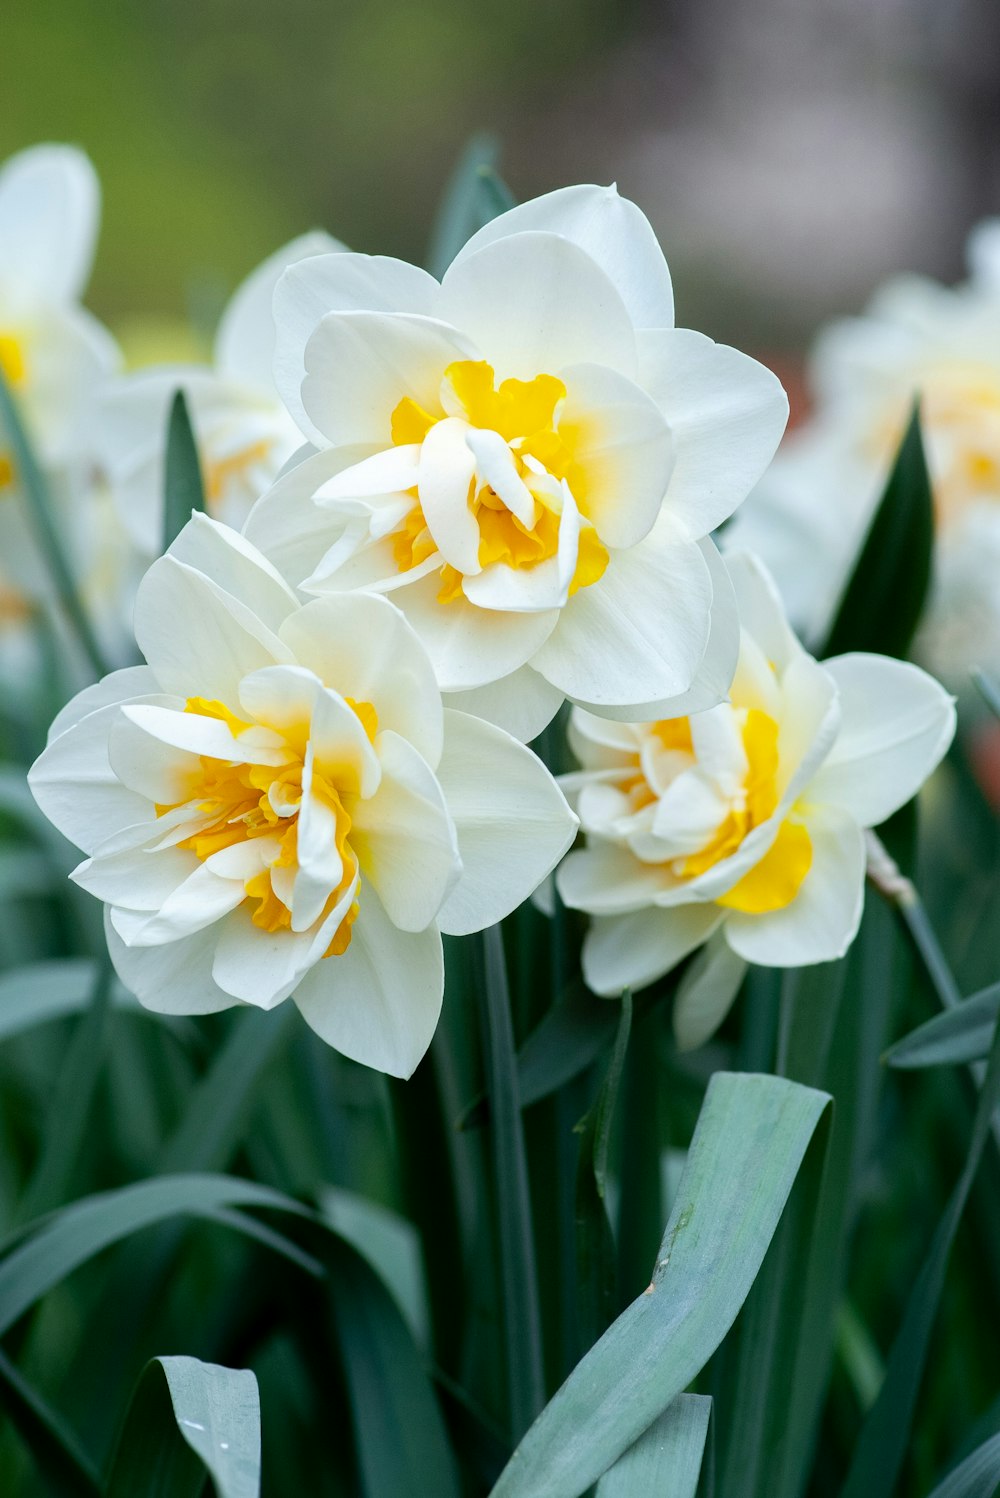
{"points": [[667, 1458], [977, 1477], [183, 489], [961, 1034]]}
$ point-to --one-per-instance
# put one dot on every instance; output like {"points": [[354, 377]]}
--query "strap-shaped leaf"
{"points": [[667, 1458], [183, 490], [188, 1419], [752, 1135], [964, 1033], [977, 1477], [474, 196]]}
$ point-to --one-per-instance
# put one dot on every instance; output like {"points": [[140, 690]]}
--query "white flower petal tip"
{"points": [[744, 822], [278, 805], [533, 473]]}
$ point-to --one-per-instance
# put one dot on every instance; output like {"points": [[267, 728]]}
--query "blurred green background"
{"points": [[789, 156]]}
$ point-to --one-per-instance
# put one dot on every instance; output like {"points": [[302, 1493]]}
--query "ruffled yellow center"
{"points": [[774, 882], [239, 802], [526, 414]]}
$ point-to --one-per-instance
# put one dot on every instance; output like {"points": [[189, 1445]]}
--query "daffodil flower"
{"points": [[243, 431], [278, 805], [743, 825], [529, 456]]}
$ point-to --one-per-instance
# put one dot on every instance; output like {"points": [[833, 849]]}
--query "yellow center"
{"points": [[774, 882], [240, 802], [221, 472], [525, 413]]}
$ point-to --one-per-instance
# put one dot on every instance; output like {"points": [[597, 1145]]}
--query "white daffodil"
{"points": [[528, 455], [744, 824], [809, 516], [243, 431], [52, 354], [278, 805]]}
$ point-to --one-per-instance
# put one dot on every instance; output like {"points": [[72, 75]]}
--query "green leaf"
{"points": [[52, 990], [390, 1244], [962, 1034], [750, 1141], [76, 1233], [43, 522], [569, 1038], [595, 1245], [519, 1286], [988, 690], [474, 196], [884, 598], [183, 490], [188, 1419], [977, 1477], [885, 1433], [667, 1458], [61, 1460]]}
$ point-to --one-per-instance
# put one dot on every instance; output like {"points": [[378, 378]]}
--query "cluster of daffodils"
{"points": [[918, 340], [437, 511]]}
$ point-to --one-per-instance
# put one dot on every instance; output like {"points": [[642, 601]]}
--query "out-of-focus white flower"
{"points": [[53, 354], [809, 515], [745, 823], [243, 431], [278, 804], [529, 456]]}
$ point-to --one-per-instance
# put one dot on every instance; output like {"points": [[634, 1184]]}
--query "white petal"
{"points": [[639, 633], [469, 646], [199, 639], [718, 746], [605, 879], [173, 979], [687, 816], [536, 589], [244, 343], [235, 565], [136, 878], [262, 968], [288, 526], [360, 365], [444, 479], [809, 724], [50, 203], [378, 1002], [612, 230], [760, 608], [820, 923], [404, 837], [602, 743], [385, 472], [362, 647], [119, 686], [632, 951], [896, 725], [320, 866], [726, 414], [513, 821], [535, 303], [624, 450], [706, 992], [495, 466], [75, 786], [200, 900], [197, 735], [522, 703], [338, 283]]}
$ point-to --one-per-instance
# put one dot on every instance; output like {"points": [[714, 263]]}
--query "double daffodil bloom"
{"points": [[243, 431], [744, 824], [278, 805], [528, 456]]}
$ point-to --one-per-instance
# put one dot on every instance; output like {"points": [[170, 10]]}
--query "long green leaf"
{"points": [[188, 1419], [473, 197], [977, 1477], [522, 1336], [72, 1236], [46, 529], [751, 1138], [962, 1034], [595, 1245], [885, 1433], [62, 1461], [183, 490], [882, 603], [666, 1460], [52, 990]]}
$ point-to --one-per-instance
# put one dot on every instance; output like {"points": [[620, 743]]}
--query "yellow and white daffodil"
{"points": [[744, 824], [243, 431], [808, 517], [53, 353], [528, 455], [278, 805]]}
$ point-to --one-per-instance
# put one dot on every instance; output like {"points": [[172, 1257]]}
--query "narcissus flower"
{"points": [[744, 823], [278, 805], [244, 433], [529, 456], [53, 354], [811, 511]]}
